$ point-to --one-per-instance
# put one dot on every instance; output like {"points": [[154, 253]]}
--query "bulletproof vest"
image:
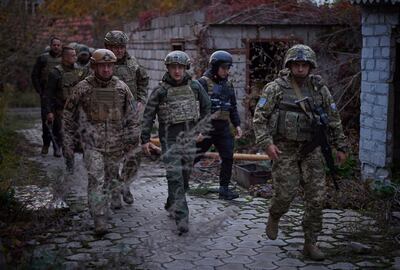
{"points": [[105, 104], [51, 62], [180, 105], [127, 74], [292, 123], [220, 99], [68, 80]]}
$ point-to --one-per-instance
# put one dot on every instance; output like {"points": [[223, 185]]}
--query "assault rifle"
{"points": [[320, 123]]}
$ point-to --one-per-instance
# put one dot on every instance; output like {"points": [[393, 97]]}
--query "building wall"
{"points": [[151, 45], [377, 67]]}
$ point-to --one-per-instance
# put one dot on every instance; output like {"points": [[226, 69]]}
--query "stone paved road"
{"points": [[223, 235]]}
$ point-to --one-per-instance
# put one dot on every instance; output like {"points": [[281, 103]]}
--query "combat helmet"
{"points": [[116, 38], [177, 57], [220, 57], [103, 56], [300, 52]]}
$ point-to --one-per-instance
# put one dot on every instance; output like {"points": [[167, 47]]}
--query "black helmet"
{"points": [[220, 57]]}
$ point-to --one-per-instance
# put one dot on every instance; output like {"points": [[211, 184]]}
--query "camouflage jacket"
{"points": [[267, 110], [158, 96], [120, 126], [135, 76]]}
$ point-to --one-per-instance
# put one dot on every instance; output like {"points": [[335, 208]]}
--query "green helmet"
{"points": [[300, 52], [177, 57], [116, 38]]}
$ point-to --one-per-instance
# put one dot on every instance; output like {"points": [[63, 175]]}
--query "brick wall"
{"points": [[377, 69]]}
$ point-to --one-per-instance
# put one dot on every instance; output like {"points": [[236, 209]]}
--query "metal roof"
{"points": [[376, 2]]}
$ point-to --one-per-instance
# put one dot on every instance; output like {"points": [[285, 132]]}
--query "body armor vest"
{"points": [[51, 62], [292, 123], [127, 74], [180, 105], [105, 104], [220, 99], [69, 78]]}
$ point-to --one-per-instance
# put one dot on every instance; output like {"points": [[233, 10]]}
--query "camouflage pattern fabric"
{"points": [[289, 170], [300, 52], [103, 139]]}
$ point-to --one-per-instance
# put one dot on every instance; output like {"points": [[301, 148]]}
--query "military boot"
{"points": [[227, 194], [127, 195], [272, 228], [57, 152], [45, 149], [116, 200], [100, 225], [182, 225], [313, 252]]}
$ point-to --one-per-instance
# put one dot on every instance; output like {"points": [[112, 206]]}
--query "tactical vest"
{"points": [[105, 105], [292, 123], [51, 62], [180, 105], [68, 80], [220, 99], [127, 74]]}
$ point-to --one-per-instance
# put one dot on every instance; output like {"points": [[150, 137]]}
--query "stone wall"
{"points": [[377, 67]]}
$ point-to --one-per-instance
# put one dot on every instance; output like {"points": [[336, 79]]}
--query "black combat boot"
{"points": [[69, 164], [127, 195], [45, 149], [182, 225], [227, 194]]}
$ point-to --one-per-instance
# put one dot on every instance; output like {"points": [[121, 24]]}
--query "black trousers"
{"points": [[222, 138]]}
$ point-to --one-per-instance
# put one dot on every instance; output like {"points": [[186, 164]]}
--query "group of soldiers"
{"points": [[102, 108]]}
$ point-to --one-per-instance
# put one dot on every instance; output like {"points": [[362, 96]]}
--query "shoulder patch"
{"points": [[261, 102]]}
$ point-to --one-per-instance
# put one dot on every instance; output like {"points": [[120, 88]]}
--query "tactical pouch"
{"points": [[104, 105]]}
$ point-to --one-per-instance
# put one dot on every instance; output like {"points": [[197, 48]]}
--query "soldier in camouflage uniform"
{"points": [[129, 71], [102, 110], [44, 63], [282, 128], [60, 82], [179, 103]]}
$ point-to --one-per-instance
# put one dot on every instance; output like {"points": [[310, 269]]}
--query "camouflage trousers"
{"points": [[130, 166], [103, 177], [288, 172], [178, 162]]}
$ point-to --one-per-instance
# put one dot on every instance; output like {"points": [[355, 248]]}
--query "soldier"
{"points": [[44, 63], [179, 103], [83, 56], [129, 71], [283, 129], [223, 108], [60, 82], [102, 110]]}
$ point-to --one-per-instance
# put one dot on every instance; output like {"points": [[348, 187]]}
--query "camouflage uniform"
{"points": [[44, 64], [105, 116], [129, 71], [278, 120], [178, 108], [60, 83]]}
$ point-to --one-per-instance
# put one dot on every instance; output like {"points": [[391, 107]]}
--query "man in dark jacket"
{"points": [[223, 112]]}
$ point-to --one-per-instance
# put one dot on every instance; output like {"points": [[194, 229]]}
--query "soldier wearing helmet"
{"points": [[129, 71], [179, 103], [282, 128], [83, 55], [44, 63], [103, 112], [223, 113]]}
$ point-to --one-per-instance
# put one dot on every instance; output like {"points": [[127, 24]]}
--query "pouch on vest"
{"points": [[104, 106]]}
